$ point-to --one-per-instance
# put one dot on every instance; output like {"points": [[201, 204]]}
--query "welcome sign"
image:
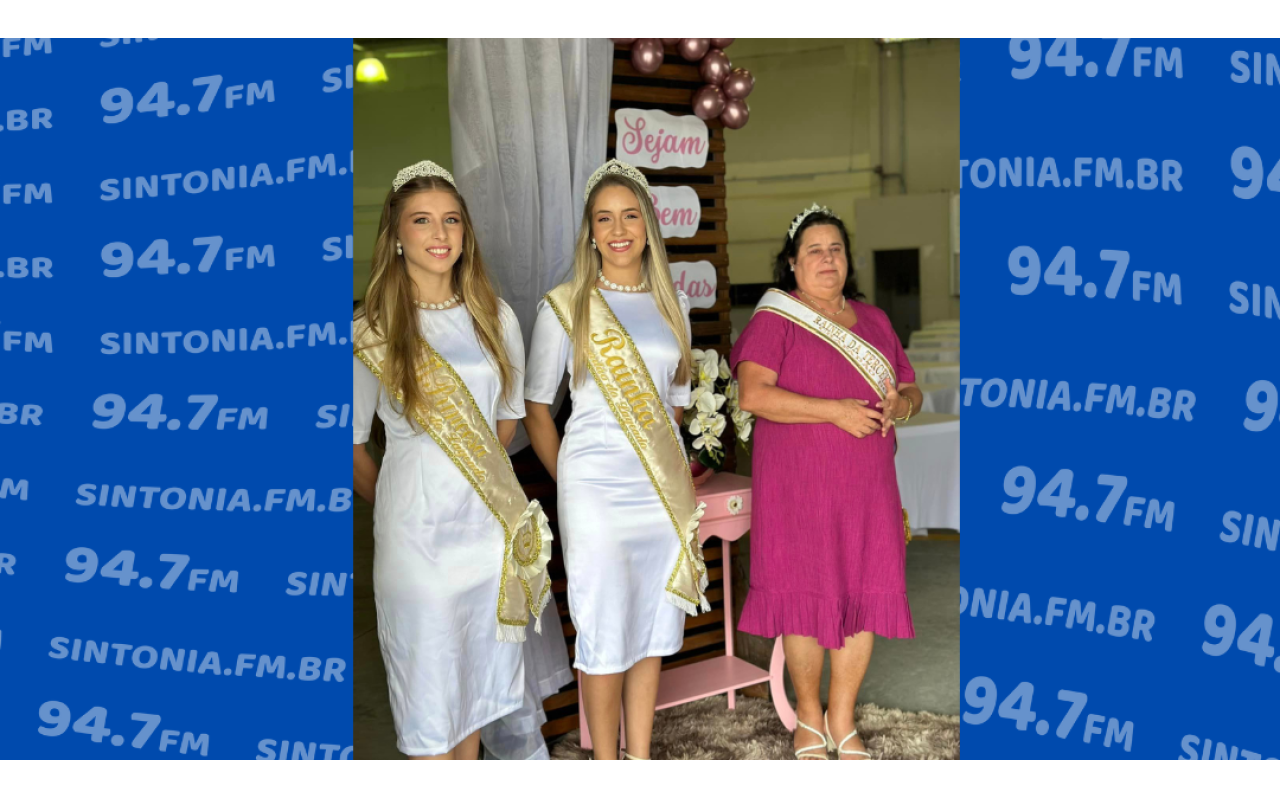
{"points": [[678, 210], [656, 140], [697, 279]]}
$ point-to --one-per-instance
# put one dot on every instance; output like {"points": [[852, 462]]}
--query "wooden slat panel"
{"points": [[719, 328], [651, 95], [682, 71], [707, 237], [569, 697], [715, 259], [703, 639], [711, 168], [558, 726], [705, 618]]}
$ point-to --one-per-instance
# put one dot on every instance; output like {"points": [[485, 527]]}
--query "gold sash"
{"points": [[870, 363], [624, 381], [457, 425]]}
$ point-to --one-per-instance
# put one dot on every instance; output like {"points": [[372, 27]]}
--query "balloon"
{"points": [[646, 55], [622, 41], [693, 49], [715, 67], [708, 102], [670, 41], [721, 44], [735, 113], [739, 84]]}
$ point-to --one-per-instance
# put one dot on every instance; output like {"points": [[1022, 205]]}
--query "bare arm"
{"points": [[760, 395], [543, 434], [366, 472], [679, 413], [506, 431]]}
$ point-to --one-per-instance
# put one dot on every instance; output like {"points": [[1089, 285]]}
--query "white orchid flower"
{"points": [[706, 403], [744, 432], [709, 369], [716, 426], [725, 372]]}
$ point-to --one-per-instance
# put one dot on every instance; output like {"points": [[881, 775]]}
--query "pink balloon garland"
{"points": [[725, 89]]}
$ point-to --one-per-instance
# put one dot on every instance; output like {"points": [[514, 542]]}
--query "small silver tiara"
{"points": [[803, 215], [615, 167], [423, 169]]}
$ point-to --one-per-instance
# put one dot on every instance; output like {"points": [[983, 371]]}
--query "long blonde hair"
{"points": [[393, 317], [653, 270]]}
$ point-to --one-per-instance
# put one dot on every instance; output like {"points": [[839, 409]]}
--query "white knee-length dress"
{"points": [[619, 546], [438, 554]]}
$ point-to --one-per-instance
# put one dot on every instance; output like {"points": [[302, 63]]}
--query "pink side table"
{"points": [[722, 674]]}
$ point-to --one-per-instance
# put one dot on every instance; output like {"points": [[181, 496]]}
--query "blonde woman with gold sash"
{"points": [[460, 554], [627, 509]]}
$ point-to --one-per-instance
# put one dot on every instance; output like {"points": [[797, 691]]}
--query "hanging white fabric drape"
{"points": [[530, 123], [529, 120]]}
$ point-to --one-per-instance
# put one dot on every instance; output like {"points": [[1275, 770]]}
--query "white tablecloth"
{"points": [[928, 463], [930, 353], [946, 373], [940, 399]]}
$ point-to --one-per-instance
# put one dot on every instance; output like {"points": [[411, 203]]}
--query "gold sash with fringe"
{"points": [[870, 363], [623, 378], [454, 421]]}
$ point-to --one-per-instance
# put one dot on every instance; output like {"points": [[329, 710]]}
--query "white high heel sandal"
{"points": [[627, 755], [838, 749], [801, 752]]}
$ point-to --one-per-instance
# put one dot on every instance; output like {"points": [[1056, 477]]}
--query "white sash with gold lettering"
{"points": [[870, 362], [623, 378], [454, 421]]}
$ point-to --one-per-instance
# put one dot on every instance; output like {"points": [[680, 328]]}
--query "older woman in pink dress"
{"points": [[828, 540]]}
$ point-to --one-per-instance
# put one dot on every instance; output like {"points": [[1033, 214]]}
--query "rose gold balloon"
{"points": [[715, 67], [622, 41], [735, 114], [693, 49], [721, 44], [646, 55], [670, 41], [739, 84], [708, 102]]}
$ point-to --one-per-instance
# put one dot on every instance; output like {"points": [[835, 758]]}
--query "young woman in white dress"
{"points": [[439, 550], [619, 545]]}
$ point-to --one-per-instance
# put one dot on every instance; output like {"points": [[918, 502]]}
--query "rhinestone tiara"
{"points": [[615, 167], [423, 169], [803, 215]]}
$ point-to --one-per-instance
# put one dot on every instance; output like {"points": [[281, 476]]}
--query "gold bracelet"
{"points": [[911, 406]]}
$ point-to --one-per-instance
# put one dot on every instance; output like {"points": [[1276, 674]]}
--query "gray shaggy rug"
{"points": [[707, 729]]}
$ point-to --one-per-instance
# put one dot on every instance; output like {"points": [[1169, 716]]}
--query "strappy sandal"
{"points": [[838, 749], [802, 752], [626, 755]]}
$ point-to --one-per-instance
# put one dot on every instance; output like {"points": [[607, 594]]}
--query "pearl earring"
{"points": [[593, 244], [400, 250]]}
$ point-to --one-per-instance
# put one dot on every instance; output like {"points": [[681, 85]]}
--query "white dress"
{"points": [[619, 546], [438, 555]]}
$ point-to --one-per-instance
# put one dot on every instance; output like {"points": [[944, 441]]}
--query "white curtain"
{"points": [[529, 120], [530, 123]]}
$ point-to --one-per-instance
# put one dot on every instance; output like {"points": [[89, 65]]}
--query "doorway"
{"points": [[898, 289]]}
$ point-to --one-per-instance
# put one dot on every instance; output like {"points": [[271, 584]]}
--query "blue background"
{"points": [[1167, 687], [80, 304]]}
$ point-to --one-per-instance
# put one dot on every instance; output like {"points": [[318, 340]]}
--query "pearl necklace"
{"points": [[617, 287], [452, 301], [820, 309]]}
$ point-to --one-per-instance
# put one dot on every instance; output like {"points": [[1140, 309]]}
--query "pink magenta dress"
{"points": [[828, 550]]}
